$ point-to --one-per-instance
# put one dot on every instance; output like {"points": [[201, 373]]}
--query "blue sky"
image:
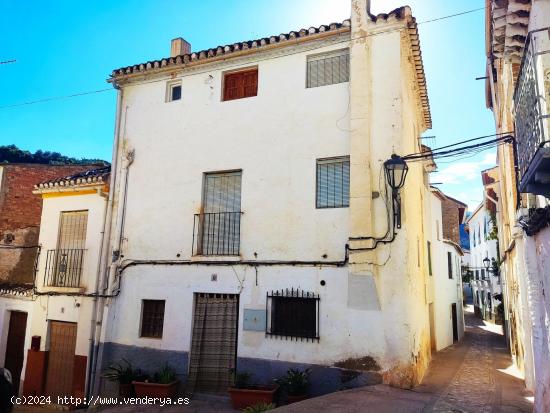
{"points": [[67, 47]]}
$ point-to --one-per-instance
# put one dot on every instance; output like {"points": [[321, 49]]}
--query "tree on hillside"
{"points": [[12, 154]]}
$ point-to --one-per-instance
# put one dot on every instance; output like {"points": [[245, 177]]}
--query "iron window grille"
{"points": [[328, 68], [530, 102], [217, 233], [332, 183], [152, 318], [293, 314], [63, 268]]}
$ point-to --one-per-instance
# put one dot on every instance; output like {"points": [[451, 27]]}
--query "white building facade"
{"points": [[444, 267], [245, 193], [65, 299], [486, 282]]}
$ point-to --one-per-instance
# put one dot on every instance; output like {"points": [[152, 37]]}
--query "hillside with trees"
{"points": [[12, 154]]}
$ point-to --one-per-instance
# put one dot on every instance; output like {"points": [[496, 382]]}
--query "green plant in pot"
{"points": [[296, 384], [124, 374], [164, 383], [244, 394]]}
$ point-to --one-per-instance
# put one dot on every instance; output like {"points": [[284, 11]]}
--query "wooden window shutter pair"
{"points": [[240, 85]]}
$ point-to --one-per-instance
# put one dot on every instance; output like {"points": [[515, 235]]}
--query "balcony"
{"points": [[63, 268], [532, 108], [217, 233]]}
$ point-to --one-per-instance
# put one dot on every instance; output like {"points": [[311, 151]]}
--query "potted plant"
{"points": [[124, 374], [296, 384], [245, 394], [164, 383]]}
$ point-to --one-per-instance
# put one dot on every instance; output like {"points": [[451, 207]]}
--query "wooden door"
{"points": [[15, 349], [214, 342], [455, 322], [59, 376]]}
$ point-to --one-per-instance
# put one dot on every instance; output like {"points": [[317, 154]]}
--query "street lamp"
{"points": [[396, 171], [486, 263]]}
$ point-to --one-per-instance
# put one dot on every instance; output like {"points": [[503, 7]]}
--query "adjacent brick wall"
{"points": [[20, 212], [452, 213]]}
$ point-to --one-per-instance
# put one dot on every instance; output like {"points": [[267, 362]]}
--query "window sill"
{"points": [[78, 290], [214, 258]]}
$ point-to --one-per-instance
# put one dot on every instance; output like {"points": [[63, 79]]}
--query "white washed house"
{"points": [[66, 285], [248, 192], [444, 268], [485, 283]]}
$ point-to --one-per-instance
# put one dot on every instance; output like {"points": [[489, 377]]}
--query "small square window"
{"points": [[173, 91], [152, 318]]}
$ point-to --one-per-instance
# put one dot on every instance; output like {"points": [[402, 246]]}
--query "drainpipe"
{"points": [[98, 303]]}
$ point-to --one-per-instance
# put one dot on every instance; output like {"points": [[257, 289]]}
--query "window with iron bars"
{"points": [[217, 230], [293, 314], [152, 318], [64, 264]]}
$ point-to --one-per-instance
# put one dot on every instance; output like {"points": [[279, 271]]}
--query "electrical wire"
{"points": [[469, 149], [48, 99]]}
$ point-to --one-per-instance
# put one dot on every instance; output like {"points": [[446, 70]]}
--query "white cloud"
{"points": [[459, 172], [462, 180]]}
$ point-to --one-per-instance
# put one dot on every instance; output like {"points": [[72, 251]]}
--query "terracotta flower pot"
{"points": [[144, 389], [294, 399], [243, 398], [125, 390]]}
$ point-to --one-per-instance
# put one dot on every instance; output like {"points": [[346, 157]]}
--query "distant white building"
{"points": [[444, 255], [485, 282]]}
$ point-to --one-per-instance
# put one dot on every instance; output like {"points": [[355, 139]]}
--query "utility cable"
{"points": [[48, 99]]}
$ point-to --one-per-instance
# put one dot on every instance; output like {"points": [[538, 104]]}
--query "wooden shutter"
{"points": [[240, 84], [430, 257], [328, 68]]}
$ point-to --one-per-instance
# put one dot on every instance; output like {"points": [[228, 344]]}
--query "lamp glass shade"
{"points": [[396, 171], [486, 263]]}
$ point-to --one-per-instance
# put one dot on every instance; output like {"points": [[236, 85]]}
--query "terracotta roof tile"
{"points": [[402, 13], [91, 176]]}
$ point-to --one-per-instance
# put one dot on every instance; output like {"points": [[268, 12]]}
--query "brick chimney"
{"points": [[179, 46]]}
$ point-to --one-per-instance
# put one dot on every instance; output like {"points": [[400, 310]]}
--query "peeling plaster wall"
{"points": [[275, 138]]}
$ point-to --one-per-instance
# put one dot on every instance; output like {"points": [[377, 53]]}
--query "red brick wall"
{"points": [[20, 212], [451, 220], [19, 207]]}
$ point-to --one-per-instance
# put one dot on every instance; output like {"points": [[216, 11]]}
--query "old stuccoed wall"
{"points": [[275, 138]]}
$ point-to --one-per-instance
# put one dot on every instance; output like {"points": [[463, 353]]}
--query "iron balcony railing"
{"points": [[217, 233], [532, 103], [63, 267]]}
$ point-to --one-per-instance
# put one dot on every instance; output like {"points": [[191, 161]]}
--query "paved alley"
{"points": [[474, 376]]}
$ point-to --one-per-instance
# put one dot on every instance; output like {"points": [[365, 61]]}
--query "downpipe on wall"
{"points": [[98, 302]]}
